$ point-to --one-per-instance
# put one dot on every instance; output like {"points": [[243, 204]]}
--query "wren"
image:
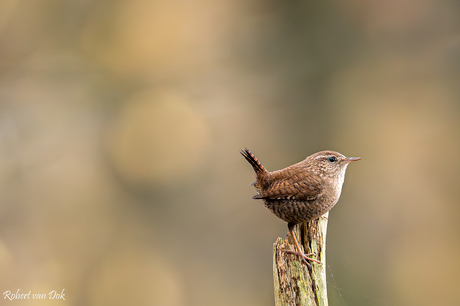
{"points": [[301, 192]]}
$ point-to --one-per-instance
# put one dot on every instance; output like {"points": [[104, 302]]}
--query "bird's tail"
{"points": [[258, 167]]}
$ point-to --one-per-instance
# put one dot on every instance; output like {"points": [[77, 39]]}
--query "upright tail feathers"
{"points": [[258, 168]]}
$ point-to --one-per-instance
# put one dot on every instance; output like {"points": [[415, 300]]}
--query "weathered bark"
{"points": [[296, 283]]}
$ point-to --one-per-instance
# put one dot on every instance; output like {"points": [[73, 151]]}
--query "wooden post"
{"points": [[295, 283]]}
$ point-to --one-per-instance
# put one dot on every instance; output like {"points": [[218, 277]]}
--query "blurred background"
{"points": [[121, 124]]}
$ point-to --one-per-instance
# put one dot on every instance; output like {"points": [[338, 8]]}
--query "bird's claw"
{"points": [[304, 256]]}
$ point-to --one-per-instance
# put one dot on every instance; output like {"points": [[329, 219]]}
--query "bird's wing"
{"points": [[293, 187]]}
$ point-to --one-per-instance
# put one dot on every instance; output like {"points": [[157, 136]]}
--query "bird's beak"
{"points": [[352, 159]]}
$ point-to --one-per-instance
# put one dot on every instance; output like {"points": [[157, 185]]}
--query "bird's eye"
{"points": [[332, 159]]}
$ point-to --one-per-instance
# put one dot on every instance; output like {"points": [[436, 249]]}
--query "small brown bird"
{"points": [[301, 192]]}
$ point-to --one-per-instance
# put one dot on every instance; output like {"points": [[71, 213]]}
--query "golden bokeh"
{"points": [[157, 138]]}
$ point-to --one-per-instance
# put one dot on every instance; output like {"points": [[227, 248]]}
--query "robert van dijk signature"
{"points": [[53, 295]]}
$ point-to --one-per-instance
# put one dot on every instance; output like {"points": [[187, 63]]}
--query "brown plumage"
{"points": [[301, 192]]}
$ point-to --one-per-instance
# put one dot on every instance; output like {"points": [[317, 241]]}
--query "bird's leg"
{"points": [[299, 251]]}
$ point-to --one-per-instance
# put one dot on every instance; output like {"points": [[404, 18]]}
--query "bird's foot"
{"points": [[304, 257], [299, 251]]}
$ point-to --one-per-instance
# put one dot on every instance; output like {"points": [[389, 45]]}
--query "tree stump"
{"points": [[295, 282]]}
